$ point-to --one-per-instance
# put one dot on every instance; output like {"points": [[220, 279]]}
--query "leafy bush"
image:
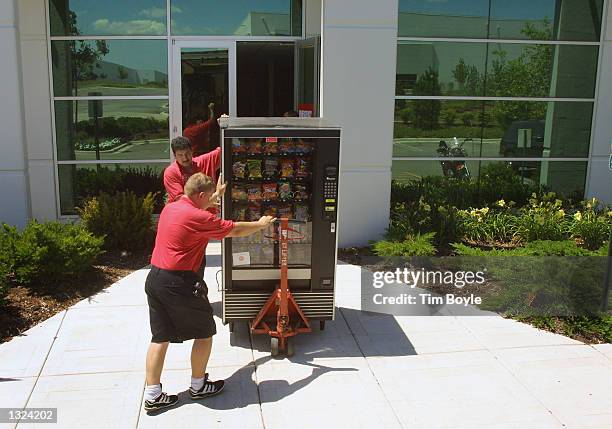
{"points": [[8, 237], [45, 253], [534, 248], [418, 245], [141, 181], [124, 219], [592, 225], [543, 219], [484, 226]]}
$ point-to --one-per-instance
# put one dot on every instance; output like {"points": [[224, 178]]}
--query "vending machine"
{"points": [[283, 167]]}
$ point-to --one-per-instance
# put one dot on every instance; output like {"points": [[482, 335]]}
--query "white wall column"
{"points": [[37, 108], [357, 93], [599, 180], [14, 192]]}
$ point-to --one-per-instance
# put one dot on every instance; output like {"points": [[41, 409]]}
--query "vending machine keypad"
{"points": [[330, 193]]}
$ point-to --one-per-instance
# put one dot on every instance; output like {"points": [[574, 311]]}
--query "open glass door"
{"points": [[307, 70], [204, 82]]}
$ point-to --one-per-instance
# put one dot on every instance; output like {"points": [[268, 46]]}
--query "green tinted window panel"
{"points": [[109, 67], [107, 18], [571, 20], [508, 129], [77, 182], [111, 130], [236, 18], [564, 177], [496, 69]]}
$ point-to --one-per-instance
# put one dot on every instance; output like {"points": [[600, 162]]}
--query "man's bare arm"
{"points": [[243, 229]]}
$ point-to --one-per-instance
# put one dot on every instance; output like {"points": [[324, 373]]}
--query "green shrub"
{"points": [[490, 227], [123, 219], [51, 252], [534, 248], [140, 180], [592, 225], [418, 245], [543, 219], [8, 237]]}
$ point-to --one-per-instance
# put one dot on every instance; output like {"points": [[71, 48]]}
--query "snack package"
{"points": [[301, 168], [240, 214], [239, 169], [301, 212], [269, 191], [253, 212], [303, 147], [238, 193], [285, 210], [238, 146], [254, 192], [284, 190], [270, 147], [286, 146], [300, 192], [255, 146], [270, 167], [254, 168], [287, 168]]}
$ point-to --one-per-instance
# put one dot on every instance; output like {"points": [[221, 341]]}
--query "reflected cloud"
{"points": [[153, 12], [133, 27]]}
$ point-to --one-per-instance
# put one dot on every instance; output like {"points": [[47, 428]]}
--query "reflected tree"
{"points": [[427, 112]]}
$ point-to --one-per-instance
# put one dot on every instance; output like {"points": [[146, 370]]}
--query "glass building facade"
{"points": [[111, 88], [513, 82]]}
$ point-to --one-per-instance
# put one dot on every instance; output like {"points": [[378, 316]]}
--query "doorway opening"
{"points": [[265, 78]]}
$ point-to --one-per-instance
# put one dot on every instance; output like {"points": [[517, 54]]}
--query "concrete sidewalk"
{"points": [[364, 370]]}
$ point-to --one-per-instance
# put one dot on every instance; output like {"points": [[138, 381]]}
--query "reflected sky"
{"points": [[114, 17], [207, 17]]}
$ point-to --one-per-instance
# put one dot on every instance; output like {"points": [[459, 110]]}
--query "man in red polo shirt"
{"points": [[185, 165], [178, 304], [200, 132]]}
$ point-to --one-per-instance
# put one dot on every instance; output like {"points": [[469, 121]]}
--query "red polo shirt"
{"points": [[199, 135], [183, 232], [175, 177]]}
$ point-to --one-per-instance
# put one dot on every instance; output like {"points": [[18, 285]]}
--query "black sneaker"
{"points": [[209, 388], [162, 401]]}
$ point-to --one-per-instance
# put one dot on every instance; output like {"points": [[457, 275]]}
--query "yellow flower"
{"points": [[610, 213], [561, 212], [501, 203], [578, 216]]}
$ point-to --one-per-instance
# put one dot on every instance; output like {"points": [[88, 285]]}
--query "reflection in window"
{"points": [[492, 129], [109, 67], [123, 130], [512, 70], [78, 182], [502, 19], [242, 18], [107, 18], [516, 70], [564, 177], [440, 68]]}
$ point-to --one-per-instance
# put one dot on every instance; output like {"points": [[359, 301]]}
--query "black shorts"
{"points": [[175, 313]]}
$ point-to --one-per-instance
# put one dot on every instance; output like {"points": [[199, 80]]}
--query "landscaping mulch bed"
{"points": [[26, 307]]}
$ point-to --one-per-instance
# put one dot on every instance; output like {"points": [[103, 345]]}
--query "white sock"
{"points": [[151, 392], [197, 383]]}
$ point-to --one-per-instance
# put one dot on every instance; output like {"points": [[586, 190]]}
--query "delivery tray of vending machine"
{"points": [[287, 168]]}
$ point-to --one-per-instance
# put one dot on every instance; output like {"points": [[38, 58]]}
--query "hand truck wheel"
{"points": [[322, 325], [274, 346], [231, 327], [290, 346]]}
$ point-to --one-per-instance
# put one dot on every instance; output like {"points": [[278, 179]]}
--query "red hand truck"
{"points": [[281, 316]]}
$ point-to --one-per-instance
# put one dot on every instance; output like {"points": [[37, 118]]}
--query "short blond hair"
{"points": [[197, 183]]}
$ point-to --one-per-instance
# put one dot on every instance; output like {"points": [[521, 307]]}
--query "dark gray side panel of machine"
{"points": [[323, 235]]}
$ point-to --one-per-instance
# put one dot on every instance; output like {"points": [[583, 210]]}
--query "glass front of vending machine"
{"points": [[282, 167]]}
